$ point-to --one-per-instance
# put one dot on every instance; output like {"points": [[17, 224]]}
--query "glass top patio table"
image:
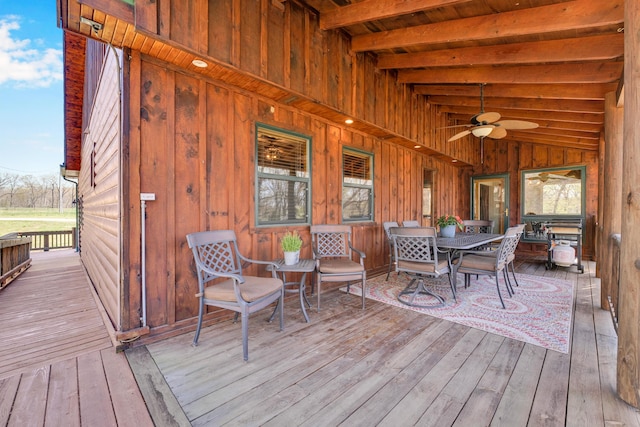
{"points": [[463, 241]]}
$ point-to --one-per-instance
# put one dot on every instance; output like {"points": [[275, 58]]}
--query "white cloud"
{"points": [[23, 65]]}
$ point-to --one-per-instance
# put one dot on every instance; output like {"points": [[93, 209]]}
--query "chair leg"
{"points": [[507, 282], [282, 310], [499, 293], [200, 314], [364, 289], [513, 272], [453, 288], [319, 281], [389, 270], [420, 288], [245, 335]]}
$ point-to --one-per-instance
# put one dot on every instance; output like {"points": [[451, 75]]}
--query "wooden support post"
{"points": [[628, 375], [611, 193]]}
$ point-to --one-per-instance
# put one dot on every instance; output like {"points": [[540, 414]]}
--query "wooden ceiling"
{"points": [[546, 61]]}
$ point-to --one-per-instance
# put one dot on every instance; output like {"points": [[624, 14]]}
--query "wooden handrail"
{"points": [[15, 257], [45, 240], [614, 292]]}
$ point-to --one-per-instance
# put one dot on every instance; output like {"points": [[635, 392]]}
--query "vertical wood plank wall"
{"points": [[307, 68], [196, 153], [512, 158], [100, 227], [189, 139]]}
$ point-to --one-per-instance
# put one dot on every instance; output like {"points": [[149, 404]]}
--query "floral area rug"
{"points": [[539, 313]]}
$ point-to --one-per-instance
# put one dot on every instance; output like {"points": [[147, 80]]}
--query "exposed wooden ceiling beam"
{"points": [[530, 114], [370, 10], [595, 136], [566, 142], [551, 91], [573, 15], [555, 73], [596, 48], [559, 126], [577, 106]]}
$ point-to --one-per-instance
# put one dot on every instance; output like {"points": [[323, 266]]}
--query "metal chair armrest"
{"points": [[273, 265], [238, 278], [361, 254]]}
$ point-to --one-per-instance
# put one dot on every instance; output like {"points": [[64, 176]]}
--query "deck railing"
{"points": [[45, 240], [15, 257], [614, 293]]}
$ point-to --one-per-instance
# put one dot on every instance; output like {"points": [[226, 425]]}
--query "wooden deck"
{"points": [[389, 367], [381, 366], [58, 364]]}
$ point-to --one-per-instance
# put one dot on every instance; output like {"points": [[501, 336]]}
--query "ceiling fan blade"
{"points": [[485, 118], [517, 124], [498, 133], [459, 135]]}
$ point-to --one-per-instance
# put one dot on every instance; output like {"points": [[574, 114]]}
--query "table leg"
{"points": [[303, 297], [301, 291]]}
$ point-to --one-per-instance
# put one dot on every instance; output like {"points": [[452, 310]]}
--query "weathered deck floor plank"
{"points": [[58, 365], [382, 366], [387, 366]]}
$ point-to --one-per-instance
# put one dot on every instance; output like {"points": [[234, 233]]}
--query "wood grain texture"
{"points": [[61, 368], [99, 188], [347, 366], [629, 308]]}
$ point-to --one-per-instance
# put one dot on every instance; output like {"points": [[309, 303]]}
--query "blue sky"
{"points": [[31, 91]]}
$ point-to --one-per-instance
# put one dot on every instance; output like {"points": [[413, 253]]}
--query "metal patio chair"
{"points": [[490, 263], [333, 252], [519, 231], [217, 257], [478, 225], [417, 254], [410, 223], [387, 226]]}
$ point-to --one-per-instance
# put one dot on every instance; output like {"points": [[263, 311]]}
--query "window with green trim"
{"points": [[551, 194], [357, 185], [283, 177]]}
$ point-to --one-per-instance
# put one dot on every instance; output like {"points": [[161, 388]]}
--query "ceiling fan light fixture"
{"points": [[481, 131]]}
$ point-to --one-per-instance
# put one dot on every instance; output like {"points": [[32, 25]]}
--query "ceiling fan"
{"points": [[489, 124]]}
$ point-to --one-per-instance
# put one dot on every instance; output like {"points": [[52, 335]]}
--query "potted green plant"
{"points": [[448, 224], [291, 243]]}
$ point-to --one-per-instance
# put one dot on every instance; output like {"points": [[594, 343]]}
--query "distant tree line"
{"points": [[29, 191]]}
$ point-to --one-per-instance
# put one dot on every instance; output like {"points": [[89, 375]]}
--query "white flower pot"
{"points": [[291, 258]]}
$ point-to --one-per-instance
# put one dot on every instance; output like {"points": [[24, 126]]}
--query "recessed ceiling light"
{"points": [[454, 161], [199, 63], [417, 146], [349, 121]]}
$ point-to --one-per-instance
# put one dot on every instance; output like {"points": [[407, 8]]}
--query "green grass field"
{"points": [[41, 219]]}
